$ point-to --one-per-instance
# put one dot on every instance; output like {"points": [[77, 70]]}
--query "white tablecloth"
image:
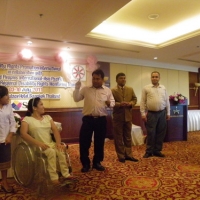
{"points": [[193, 120], [137, 135]]}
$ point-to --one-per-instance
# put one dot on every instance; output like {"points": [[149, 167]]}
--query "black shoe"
{"points": [[85, 168], [10, 190], [98, 167], [158, 154], [122, 160], [131, 159], [147, 155]]}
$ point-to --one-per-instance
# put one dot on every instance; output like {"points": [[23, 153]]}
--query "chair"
{"points": [[30, 166], [137, 135]]}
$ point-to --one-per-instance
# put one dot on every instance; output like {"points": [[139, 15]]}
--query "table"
{"points": [[193, 120], [137, 135]]}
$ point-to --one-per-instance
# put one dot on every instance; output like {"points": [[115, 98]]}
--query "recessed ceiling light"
{"points": [[29, 42], [66, 48], [153, 16], [155, 58]]}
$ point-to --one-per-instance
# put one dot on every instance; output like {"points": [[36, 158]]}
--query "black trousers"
{"points": [[90, 125], [5, 156], [5, 152], [156, 126]]}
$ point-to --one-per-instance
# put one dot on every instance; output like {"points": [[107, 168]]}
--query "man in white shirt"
{"points": [[155, 110], [96, 99]]}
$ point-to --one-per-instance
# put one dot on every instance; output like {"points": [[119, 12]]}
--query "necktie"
{"points": [[122, 92]]}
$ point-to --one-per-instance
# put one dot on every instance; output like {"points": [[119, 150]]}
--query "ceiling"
{"points": [[54, 25]]}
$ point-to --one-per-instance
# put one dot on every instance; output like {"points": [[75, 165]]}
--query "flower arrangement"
{"points": [[18, 121], [177, 98]]}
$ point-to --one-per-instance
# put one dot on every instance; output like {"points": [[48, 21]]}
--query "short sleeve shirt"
{"points": [[40, 129]]}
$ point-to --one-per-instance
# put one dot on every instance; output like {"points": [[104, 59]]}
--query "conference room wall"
{"points": [[139, 76]]}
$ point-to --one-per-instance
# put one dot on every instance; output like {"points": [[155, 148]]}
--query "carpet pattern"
{"points": [[175, 177]]}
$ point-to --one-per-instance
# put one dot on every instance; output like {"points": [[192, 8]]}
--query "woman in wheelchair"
{"points": [[35, 129]]}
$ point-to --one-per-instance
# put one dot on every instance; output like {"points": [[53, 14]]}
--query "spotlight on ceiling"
{"points": [[29, 42], [26, 54], [153, 16], [62, 56]]}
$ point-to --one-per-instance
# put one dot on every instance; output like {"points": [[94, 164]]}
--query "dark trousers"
{"points": [[5, 152], [156, 129], [5, 156], [90, 125]]}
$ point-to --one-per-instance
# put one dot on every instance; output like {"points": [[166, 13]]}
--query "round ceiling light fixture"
{"points": [[29, 42], [26, 54], [153, 16], [62, 56]]}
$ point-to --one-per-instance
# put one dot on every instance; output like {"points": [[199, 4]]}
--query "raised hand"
{"points": [[78, 84]]}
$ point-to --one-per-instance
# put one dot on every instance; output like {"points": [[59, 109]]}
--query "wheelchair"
{"points": [[29, 166]]}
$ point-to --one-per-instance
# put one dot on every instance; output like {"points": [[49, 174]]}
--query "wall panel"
{"points": [[146, 75], [139, 76], [173, 82], [194, 100], [184, 84], [163, 77], [133, 79]]}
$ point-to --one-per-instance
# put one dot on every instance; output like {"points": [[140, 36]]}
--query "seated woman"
{"points": [[35, 129]]}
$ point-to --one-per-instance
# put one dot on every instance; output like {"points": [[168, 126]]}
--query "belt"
{"points": [[93, 116], [156, 111]]}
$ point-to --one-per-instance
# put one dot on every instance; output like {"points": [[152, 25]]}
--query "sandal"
{"points": [[70, 178]]}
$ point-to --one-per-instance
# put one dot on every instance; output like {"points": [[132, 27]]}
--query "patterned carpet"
{"points": [[177, 176]]}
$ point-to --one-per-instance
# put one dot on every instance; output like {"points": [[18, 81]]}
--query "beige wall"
{"points": [[139, 76]]}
